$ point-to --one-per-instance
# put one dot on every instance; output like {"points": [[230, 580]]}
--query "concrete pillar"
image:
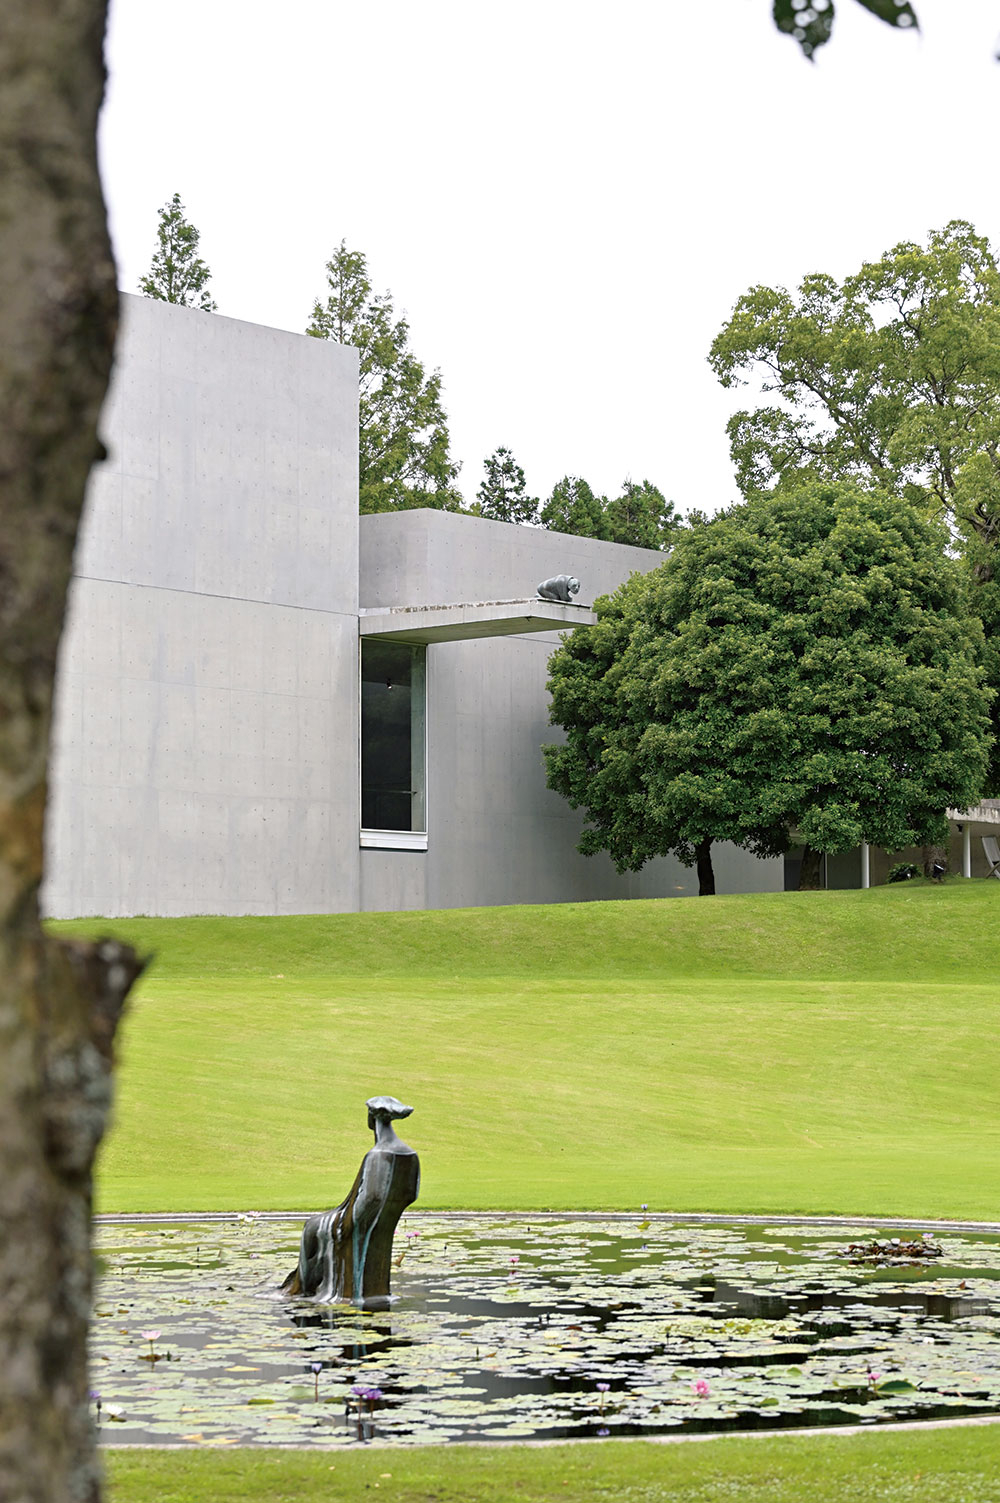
{"points": [[866, 868], [966, 850]]}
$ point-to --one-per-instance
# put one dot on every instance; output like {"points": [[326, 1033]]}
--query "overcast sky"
{"points": [[565, 198]]}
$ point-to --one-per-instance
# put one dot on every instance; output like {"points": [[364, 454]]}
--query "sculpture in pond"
{"points": [[346, 1253], [559, 588]]}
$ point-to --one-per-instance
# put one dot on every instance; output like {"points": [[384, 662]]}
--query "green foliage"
{"points": [[503, 494], [890, 378], [804, 661], [404, 446], [641, 516], [177, 274], [573, 508], [810, 22]]}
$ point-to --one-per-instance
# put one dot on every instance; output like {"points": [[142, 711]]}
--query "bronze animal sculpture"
{"points": [[560, 588]]}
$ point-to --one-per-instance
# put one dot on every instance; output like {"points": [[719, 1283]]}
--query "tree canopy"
{"points": [[177, 274], [641, 516], [802, 663], [890, 378], [403, 439]]}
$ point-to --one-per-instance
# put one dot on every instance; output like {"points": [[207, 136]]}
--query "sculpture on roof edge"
{"points": [[345, 1254], [559, 588]]}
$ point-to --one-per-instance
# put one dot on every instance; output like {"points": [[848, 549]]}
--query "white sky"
{"points": [[566, 198]]}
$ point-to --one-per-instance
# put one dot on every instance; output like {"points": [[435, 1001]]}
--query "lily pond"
{"points": [[544, 1327]]}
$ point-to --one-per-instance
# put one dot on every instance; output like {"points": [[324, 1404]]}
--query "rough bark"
{"points": [[811, 871], [931, 856], [59, 1004], [706, 872]]}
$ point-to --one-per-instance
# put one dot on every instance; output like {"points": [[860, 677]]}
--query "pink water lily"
{"points": [[701, 1388]]}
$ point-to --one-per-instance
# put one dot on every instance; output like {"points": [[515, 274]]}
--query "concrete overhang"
{"points": [[987, 815], [460, 623]]}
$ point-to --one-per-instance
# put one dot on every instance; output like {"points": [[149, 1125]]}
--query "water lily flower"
{"points": [[644, 1207], [701, 1388], [873, 1378], [150, 1336], [603, 1387], [317, 1368]]}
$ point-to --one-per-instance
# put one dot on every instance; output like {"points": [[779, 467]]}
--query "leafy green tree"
{"points": [[503, 494], [641, 516], [804, 662], [810, 22], [573, 507], [890, 378], [404, 446], [177, 274]]}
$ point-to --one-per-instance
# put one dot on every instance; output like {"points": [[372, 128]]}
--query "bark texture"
{"points": [[59, 1004]]}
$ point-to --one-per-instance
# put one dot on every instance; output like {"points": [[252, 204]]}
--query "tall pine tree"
{"points": [[641, 516], [503, 494], [177, 273], [573, 507], [403, 437]]}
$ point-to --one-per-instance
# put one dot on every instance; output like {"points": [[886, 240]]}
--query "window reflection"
{"points": [[393, 698]]}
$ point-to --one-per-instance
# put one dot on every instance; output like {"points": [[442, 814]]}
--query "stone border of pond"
{"points": [[140, 1218], [691, 1438]]}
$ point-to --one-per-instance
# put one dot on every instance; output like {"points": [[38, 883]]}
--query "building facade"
{"points": [[230, 616]]}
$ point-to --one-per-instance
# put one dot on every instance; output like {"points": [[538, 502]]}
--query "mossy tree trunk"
{"points": [[59, 1004]]}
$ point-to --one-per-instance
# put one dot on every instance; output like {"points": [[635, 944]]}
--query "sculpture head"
{"points": [[572, 585], [385, 1109]]}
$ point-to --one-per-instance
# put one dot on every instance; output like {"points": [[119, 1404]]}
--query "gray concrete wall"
{"points": [[206, 719], [444, 558], [496, 834]]}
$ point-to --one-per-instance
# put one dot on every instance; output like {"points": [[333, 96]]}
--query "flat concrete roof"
{"points": [[460, 623]]}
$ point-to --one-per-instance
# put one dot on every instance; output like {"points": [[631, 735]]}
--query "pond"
{"points": [[545, 1327]]}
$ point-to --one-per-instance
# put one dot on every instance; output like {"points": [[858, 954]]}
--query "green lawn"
{"points": [[958, 1465], [785, 1052]]}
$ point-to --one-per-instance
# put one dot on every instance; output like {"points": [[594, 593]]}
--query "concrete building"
{"points": [[208, 717], [267, 704]]}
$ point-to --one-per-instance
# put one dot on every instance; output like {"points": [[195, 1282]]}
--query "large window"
{"points": [[393, 700]]}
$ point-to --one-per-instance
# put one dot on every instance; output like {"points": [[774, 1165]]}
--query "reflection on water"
{"points": [[549, 1327]]}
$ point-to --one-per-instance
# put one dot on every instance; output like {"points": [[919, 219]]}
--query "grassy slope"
{"points": [[833, 1051], [960, 1465]]}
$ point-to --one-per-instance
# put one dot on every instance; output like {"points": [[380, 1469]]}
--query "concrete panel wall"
{"points": [[232, 462], [204, 757], [207, 710], [441, 558]]}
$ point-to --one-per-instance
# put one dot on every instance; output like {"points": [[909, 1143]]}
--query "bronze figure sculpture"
{"points": [[346, 1253]]}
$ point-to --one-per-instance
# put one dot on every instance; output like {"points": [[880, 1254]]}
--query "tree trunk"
{"points": [[811, 871], [59, 1004], [932, 856], [706, 873]]}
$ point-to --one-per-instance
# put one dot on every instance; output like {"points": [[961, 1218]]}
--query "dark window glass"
{"points": [[392, 736]]}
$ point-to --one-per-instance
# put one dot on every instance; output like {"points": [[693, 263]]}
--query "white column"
{"points": [[866, 869], [966, 850]]}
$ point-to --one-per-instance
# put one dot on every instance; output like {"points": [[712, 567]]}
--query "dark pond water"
{"points": [[545, 1327]]}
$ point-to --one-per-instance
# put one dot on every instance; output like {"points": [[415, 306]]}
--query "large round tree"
{"points": [[802, 665]]}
